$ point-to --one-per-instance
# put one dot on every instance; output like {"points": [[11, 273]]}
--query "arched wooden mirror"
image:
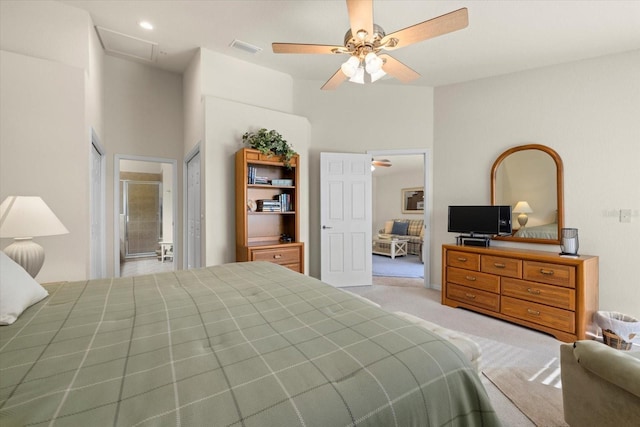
{"points": [[533, 174]]}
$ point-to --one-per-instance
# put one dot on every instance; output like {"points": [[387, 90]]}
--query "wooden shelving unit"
{"points": [[258, 234]]}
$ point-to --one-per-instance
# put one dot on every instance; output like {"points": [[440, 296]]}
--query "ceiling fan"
{"points": [[365, 41], [384, 163]]}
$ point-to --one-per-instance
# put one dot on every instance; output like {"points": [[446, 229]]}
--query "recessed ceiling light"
{"points": [[146, 25]]}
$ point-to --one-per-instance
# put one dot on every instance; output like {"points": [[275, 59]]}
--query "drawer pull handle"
{"points": [[499, 265], [278, 256], [470, 296], [533, 291], [470, 278], [546, 272], [534, 312], [461, 259]]}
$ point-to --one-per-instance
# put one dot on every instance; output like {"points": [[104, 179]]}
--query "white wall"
{"points": [[142, 117], [230, 78], [226, 121], [50, 83], [588, 112], [387, 197], [236, 96], [47, 30], [44, 152], [192, 103], [355, 119]]}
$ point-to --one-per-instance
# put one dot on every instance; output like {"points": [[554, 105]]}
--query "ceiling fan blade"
{"points": [[335, 81], [360, 16], [397, 69], [382, 163], [435, 27], [305, 48]]}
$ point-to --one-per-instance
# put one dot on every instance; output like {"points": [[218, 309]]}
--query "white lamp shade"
{"points": [[373, 63], [358, 77], [522, 207], [28, 216], [350, 66]]}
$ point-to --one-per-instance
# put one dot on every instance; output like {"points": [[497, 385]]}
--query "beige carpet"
{"points": [[535, 392]]}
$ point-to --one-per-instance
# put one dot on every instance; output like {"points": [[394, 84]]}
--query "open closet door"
{"points": [[345, 200]]}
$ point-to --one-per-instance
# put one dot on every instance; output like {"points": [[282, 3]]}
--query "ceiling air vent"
{"points": [[244, 46], [131, 47]]}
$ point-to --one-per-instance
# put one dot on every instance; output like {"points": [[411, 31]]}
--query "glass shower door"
{"points": [[143, 222]]}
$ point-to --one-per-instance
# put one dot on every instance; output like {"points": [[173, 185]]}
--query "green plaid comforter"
{"points": [[247, 344]]}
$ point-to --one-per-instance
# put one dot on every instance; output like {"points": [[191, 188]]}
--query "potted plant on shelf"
{"points": [[271, 143]]}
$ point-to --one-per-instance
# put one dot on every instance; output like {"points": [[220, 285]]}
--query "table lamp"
{"points": [[23, 218], [523, 209]]}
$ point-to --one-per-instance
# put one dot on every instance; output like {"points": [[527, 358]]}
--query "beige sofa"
{"points": [[415, 234], [600, 385]]}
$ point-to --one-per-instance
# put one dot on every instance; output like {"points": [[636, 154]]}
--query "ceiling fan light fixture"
{"points": [[350, 67], [373, 63], [358, 77], [377, 75]]}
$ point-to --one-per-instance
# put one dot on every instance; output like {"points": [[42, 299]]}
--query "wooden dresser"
{"points": [[541, 290]]}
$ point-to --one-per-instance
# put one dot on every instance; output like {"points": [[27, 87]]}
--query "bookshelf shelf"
{"points": [[258, 232]]}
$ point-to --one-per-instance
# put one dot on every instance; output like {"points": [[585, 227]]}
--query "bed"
{"points": [[242, 344], [545, 231]]}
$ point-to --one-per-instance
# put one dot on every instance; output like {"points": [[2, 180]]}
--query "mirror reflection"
{"points": [[529, 178]]}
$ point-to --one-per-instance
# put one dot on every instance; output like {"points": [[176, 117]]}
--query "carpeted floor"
{"points": [[536, 392], [404, 266], [504, 345]]}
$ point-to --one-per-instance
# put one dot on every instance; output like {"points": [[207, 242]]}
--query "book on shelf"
{"points": [[285, 202], [269, 206]]}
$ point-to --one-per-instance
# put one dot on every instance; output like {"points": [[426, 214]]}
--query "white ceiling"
{"points": [[502, 37]]}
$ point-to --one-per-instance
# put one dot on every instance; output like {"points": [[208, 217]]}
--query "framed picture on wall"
{"points": [[413, 200]]}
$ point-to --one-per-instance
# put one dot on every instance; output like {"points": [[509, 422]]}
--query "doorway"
{"points": [[407, 175], [145, 203]]}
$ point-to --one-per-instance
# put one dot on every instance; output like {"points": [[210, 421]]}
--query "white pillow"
{"points": [[18, 290]]}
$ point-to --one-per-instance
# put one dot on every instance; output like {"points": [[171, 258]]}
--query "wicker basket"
{"points": [[613, 340]]}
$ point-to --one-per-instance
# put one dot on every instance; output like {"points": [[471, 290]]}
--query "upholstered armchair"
{"points": [[600, 385]]}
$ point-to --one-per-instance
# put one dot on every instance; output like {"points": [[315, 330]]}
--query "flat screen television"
{"points": [[480, 220]]}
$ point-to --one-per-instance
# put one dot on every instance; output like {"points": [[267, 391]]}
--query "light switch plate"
{"points": [[625, 215]]}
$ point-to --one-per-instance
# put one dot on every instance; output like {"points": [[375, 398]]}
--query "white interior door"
{"points": [[194, 252], [345, 200]]}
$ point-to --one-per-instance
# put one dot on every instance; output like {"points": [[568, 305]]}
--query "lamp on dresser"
{"points": [[23, 218]]}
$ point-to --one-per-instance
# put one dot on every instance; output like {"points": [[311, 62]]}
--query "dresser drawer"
{"points": [[474, 279], [482, 299], [551, 317], [554, 274], [508, 267], [555, 296], [294, 267], [463, 260], [277, 255]]}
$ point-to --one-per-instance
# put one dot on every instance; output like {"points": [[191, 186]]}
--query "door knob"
{"points": [[324, 227]]}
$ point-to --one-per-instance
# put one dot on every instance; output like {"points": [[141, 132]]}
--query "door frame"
{"points": [[426, 216], [195, 151], [117, 200], [98, 271]]}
